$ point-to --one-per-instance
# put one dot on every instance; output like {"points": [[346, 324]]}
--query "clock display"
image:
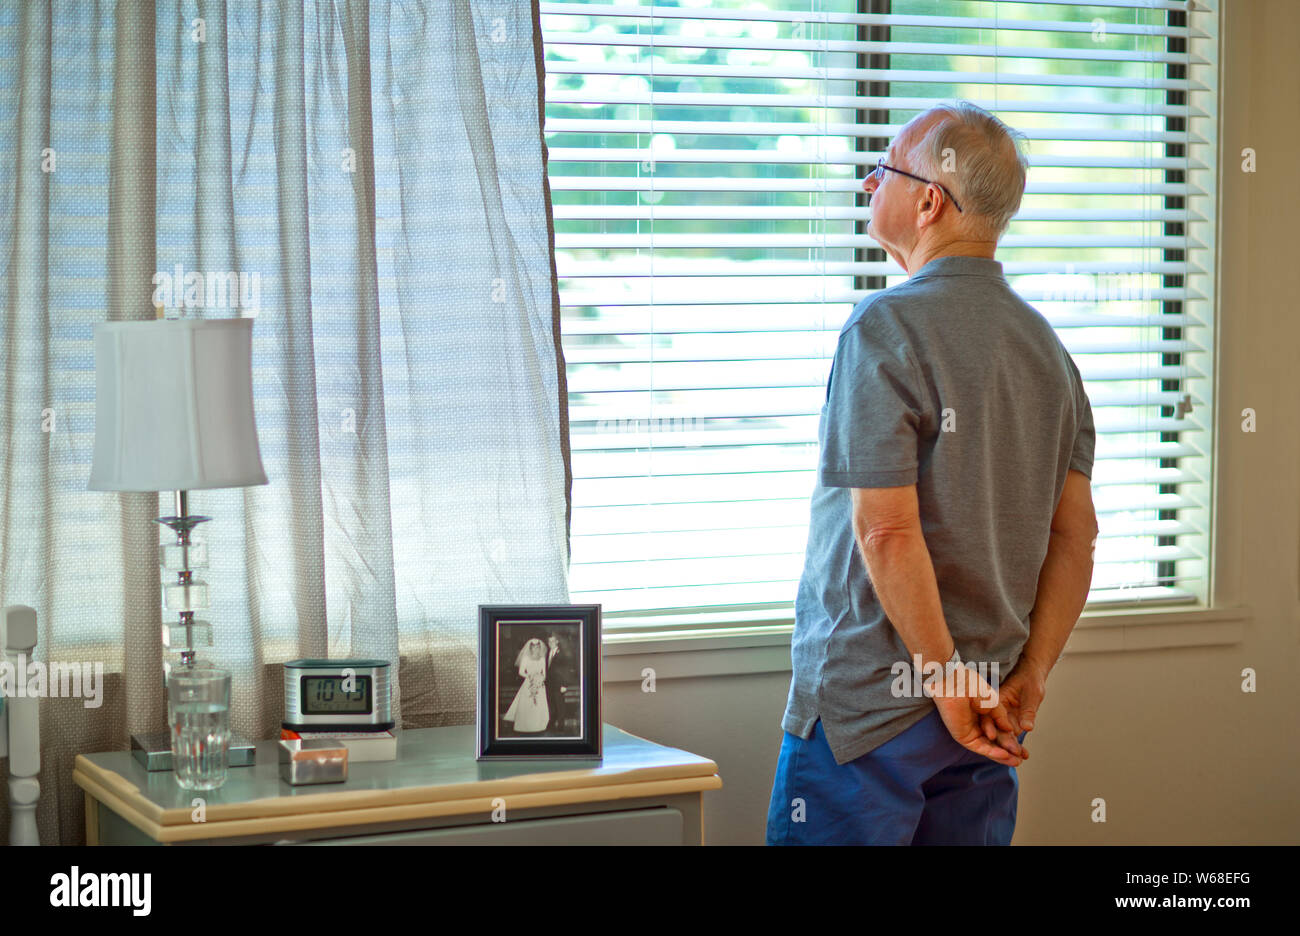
{"points": [[326, 695]]}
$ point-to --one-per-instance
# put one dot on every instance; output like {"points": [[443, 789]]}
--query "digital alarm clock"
{"points": [[337, 695]]}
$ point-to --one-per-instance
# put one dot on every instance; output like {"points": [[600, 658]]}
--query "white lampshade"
{"points": [[174, 406]]}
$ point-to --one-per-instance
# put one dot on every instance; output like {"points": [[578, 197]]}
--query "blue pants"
{"points": [[919, 788]]}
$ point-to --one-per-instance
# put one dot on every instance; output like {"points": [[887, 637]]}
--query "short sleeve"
{"points": [[873, 412], [1085, 439]]}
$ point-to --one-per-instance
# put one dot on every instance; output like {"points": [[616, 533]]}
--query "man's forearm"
{"points": [[1063, 585], [902, 575]]}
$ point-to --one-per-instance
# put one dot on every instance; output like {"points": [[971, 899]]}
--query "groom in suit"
{"points": [[557, 666]]}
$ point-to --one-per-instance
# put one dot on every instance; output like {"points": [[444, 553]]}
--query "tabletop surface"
{"points": [[432, 764]]}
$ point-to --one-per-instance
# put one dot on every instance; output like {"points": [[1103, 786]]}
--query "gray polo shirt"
{"points": [[952, 382]]}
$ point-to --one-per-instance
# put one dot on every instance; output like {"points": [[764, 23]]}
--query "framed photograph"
{"points": [[538, 681]]}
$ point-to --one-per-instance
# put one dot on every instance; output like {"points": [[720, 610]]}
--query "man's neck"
{"points": [[923, 254]]}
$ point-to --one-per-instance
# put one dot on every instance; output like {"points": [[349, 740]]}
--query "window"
{"points": [[705, 164]]}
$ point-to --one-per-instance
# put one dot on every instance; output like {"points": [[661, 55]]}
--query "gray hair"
{"points": [[984, 161]]}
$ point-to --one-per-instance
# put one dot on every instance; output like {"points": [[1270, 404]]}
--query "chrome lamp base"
{"points": [[154, 750], [186, 635]]}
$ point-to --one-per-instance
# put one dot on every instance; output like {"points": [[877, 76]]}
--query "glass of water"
{"points": [[198, 696]]}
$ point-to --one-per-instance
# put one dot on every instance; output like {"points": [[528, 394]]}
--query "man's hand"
{"points": [[1022, 693], [966, 719]]}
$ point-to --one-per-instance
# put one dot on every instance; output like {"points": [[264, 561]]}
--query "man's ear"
{"points": [[925, 208]]}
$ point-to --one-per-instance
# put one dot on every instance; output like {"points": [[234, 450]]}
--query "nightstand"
{"points": [[435, 793]]}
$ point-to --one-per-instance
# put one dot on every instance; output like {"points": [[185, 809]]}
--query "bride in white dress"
{"points": [[529, 710]]}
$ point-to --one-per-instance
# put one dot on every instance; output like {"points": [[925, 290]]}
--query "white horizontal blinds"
{"points": [[1111, 245], [705, 234], [705, 166]]}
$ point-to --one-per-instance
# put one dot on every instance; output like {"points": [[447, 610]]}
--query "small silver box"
{"points": [[315, 761]]}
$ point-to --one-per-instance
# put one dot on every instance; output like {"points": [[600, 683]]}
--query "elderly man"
{"points": [[952, 523]]}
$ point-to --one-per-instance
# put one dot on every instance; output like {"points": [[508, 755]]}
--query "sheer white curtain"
{"points": [[373, 179]]}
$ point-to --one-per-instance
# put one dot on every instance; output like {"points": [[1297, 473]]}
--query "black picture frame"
{"points": [[518, 684]]}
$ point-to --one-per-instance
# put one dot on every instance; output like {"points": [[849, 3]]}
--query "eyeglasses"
{"points": [[879, 173]]}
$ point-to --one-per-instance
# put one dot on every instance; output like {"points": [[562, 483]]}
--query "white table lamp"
{"points": [[174, 412]]}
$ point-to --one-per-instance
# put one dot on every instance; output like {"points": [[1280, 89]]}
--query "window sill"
{"points": [[739, 643]]}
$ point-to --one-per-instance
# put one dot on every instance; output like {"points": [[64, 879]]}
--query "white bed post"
{"points": [[18, 636]]}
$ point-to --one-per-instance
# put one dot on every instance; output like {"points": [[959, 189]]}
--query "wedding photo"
{"points": [[539, 680]]}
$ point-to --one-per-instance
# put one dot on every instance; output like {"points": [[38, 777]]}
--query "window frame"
{"points": [[755, 639]]}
